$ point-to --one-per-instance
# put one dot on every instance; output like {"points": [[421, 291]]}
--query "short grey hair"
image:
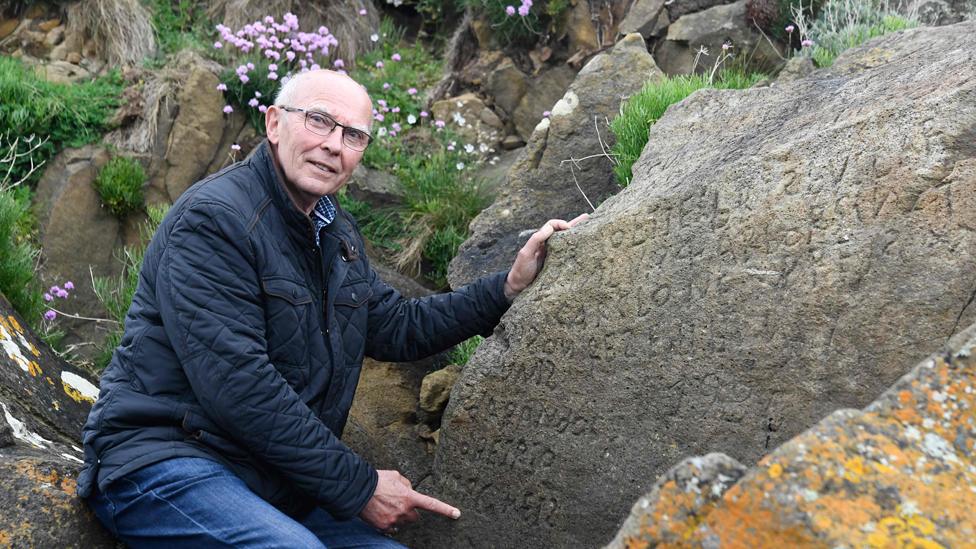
{"points": [[288, 89]]}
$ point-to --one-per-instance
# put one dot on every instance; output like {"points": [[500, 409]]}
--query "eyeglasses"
{"points": [[322, 124]]}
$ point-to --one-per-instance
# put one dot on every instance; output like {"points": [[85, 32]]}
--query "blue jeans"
{"points": [[195, 502]]}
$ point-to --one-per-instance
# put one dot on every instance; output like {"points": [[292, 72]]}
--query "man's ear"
{"points": [[272, 123]]}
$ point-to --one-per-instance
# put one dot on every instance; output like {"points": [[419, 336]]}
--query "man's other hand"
{"points": [[531, 257], [395, 503]]}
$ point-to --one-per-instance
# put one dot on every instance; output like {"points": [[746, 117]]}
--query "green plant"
{"points": [[844, 24], [60, 115], [381, 228], [463, 351], [116, 293], [641, 111], [518, 22], [18, 255], [120, 183], [181, 24]]}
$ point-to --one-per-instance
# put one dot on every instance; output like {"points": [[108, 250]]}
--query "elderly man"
{"points": [[219, 416]]}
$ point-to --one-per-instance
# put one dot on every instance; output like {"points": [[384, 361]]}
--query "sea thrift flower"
{"points": [[273, 76], [379, 64], [262, 108], [523, 10], [244, 79], [228, 109], [790, 28], [257, 93], [48, 297], [362, 11], [235, 147], [450, 146], [412, 91], [424, 114], [395, 109], [222, 87], [63, 294], [50, 315], [379, 117], [806, 43], [509, 10], [273, 67], [250, 66], [55, 289], [290, 55], [439, 123], [252, 103], [315, 67], [218, 45], [339, 63], [546, 114], [396, 127], [395, 57], [386, 85]]}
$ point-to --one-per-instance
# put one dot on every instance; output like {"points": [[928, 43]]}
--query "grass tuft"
{"points": [[120, 184], [463, 351], [18, 256], [641, 111]]}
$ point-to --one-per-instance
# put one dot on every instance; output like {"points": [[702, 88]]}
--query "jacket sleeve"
{"points": [[211, 305], [409, 329]]}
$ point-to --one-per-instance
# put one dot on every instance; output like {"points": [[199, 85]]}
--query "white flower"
{"points": [[469, 148], [460, 166], [381, 132], [458, 119], [483, 148], [374, 37], [411, 119]]}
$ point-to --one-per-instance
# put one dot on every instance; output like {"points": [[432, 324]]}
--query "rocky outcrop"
{"points": [[781, 253], [541, 185], [900, 473], [45, 403]]}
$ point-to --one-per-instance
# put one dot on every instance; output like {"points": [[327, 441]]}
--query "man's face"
{"points": [[316, 165]]}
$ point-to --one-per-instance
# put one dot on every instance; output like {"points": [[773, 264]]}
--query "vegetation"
{"points": [[18, 255], [519, 22], [181, 24], [61, 115], [844, 24], [463, 351], [116, 293], [120, 184], [641, 111]]}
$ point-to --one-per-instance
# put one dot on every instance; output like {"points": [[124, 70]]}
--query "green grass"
{"points": [[181, 24], [381, 228], [641, 111], [516, 30], [120, 183], [463, 351], [832, 43], [67, 116], [116, 293], [18, 256]]}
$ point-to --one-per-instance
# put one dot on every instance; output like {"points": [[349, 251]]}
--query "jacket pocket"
{"points": [[354, 293], [289, 290], [288, 321]]}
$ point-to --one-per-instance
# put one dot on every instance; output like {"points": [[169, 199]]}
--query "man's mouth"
{"points": [[323, 167]]}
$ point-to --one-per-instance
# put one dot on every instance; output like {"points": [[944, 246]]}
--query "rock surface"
{"points": [[45, 403], [901, 473], [472, 120], [782, 252], [540, 184]]}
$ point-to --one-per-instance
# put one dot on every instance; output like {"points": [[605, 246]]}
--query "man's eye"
{"points": [[319, 119], [356, 135]]}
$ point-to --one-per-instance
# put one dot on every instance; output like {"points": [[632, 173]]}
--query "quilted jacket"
{"points": [[245, 340]]}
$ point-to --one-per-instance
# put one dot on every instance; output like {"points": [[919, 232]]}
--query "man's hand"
{"points": [[530, 258], [395, 503]]}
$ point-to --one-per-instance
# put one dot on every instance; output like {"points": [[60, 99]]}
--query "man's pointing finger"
{"points": [[421, 501]]}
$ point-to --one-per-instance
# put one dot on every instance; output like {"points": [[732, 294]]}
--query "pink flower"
{"points": [[386, 85], [228, 109], [235, 147], [55, 289], [244, 79], [63, 294], [339, 63], [272, 76], [222, 87], [545, 114], [252, 103], [379, 64], [290, 55], [379, 117], [250, 66], [262, 108], [396, 127], [396, 109], [218, 45], [439, 123], [315, 67], [273, 67], [48, 297], [395, 57], [362, 11], [424, 114], [806, 43], [50, 315], [412, 91], [523, 10], [69, 285], [450, 147], [257, 93], [509, 10], [790, 28]]}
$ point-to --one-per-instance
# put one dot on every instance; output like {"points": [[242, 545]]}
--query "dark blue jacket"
{"points": [[245, 340]]}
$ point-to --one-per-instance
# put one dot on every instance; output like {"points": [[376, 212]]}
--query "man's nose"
{"points": [[333, 141]]}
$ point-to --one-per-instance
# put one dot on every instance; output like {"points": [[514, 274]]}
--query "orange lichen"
{"points": [[34, 368], [14, 324]]}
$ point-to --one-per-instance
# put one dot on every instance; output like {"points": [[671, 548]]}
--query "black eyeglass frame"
{"points": [[335, 124]]}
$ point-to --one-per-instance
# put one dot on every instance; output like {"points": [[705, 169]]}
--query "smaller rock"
{"points": [[470, 118], [377, 188], [63, 72], [795, 69], [435, 390], [644, 17], [507, 85], [54, 37], [49, 25], [546, 88], [512, 142], [7, 27]]}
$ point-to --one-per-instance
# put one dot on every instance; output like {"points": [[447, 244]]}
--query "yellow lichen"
{"points": [[15, 324], [775, 470], [75, 394], [34, 368]]}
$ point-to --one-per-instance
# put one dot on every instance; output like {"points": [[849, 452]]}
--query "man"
{"points": [[219, 415]]}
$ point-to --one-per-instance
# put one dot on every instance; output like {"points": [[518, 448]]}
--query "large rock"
{"points": [[473, 121], [647, 17], [781, 253], [901, 473], [546, 88], [45, 403], [939, 12], [710, 29], [79, 238], [540, 184]]}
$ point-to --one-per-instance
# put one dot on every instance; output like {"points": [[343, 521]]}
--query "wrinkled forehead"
{"points": [[343, 99]]}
